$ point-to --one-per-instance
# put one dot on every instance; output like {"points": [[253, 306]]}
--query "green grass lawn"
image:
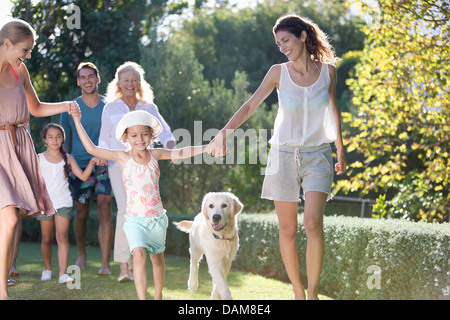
{"points": [[243, 285]]}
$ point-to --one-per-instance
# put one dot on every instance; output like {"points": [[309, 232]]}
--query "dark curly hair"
{"points": [[317, 42]]}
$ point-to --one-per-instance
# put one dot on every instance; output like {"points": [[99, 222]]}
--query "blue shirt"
{"points": [[91, 119]]}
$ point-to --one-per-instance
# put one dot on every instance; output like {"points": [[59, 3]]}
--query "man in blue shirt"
{"points": [[98, 186]]}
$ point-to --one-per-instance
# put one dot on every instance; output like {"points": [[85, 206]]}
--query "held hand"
{"points": [[74, 110], [218, 146], [99, 162], [95, 161]]}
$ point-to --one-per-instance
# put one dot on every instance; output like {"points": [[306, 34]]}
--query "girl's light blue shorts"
{"points": [[147, 232]]}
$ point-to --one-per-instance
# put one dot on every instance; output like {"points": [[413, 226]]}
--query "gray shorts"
{"points": [[64, 212], [291, 168]]}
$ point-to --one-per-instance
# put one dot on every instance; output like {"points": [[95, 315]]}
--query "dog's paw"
{"points": [[192, 284]]}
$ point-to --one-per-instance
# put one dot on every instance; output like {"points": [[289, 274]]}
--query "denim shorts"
{"points": [[64, 212], [147, 232], [290, 169]]}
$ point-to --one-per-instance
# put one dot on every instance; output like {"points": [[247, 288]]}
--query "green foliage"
{"points": [[109, 34], [226, 40], [202, 71], [410, 259], [196, 109], [401, 88], [379, 209]]}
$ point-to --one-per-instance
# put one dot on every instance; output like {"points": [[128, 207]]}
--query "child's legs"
{"points": [[140, 272], [158, 273], [62, 237], [47, 230]]}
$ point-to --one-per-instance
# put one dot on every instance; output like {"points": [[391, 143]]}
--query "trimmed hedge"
{"points": [[364, 258]]}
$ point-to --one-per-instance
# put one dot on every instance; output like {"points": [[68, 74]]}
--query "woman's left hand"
{"points": [[341, 165]]}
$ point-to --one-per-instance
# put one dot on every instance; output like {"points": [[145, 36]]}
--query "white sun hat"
{"points": [[136, 118]]}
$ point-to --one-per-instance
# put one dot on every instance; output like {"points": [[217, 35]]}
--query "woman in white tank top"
{"points": [[307, 122]]}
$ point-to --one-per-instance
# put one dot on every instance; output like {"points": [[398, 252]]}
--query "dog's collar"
{"points": [[219, 238]]}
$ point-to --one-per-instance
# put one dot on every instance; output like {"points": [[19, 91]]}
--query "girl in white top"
{"points": [[307, 122], [146, 221], [55, 164]]}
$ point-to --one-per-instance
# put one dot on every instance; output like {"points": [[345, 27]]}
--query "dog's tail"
{"points": [[184, 225]]}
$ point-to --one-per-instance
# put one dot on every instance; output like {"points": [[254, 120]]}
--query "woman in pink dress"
{"points": [[22, 188]]}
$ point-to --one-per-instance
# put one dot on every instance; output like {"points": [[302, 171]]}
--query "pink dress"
{"points": [[21, 181]]}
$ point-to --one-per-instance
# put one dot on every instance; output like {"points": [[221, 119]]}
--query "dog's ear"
{"points": [[237, 204], [204, 202]]}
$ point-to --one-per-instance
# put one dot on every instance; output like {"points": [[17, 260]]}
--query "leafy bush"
{"points": [[408, 259], [364, 258]]}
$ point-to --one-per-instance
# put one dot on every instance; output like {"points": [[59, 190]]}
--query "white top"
{"points": [[56, 182], [305, 116], [113, 112]]}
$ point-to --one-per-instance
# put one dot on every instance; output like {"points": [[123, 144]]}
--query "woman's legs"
{"points": [[8, 223], [313, 222], [121, 249], [18, 236], [287, 219]]}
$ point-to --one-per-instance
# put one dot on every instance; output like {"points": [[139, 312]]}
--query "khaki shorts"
{"points": [[290, 169]]}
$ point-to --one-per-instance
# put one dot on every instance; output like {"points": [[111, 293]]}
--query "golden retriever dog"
{"points": [[214, 233]]}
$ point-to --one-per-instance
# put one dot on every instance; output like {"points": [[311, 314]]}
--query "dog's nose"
{"points": [[216, 218]]}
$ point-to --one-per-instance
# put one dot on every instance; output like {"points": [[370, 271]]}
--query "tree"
{"points": [[196, 109], [402, 90], [226, 40], [106, 32]]}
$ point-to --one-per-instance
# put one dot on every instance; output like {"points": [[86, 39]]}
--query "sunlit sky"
{"points": [[6, 5]]}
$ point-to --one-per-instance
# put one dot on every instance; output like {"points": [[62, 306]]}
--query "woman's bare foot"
{"points": [[81, 262], [104, 271], [299, 293], [13, 272], [312, 296]]}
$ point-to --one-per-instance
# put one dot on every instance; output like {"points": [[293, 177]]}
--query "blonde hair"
{"points": [[317, 42], [16, 31], [144, 93]]}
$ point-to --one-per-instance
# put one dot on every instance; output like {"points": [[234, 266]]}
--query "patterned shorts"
{"points": [[97, 183]]}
